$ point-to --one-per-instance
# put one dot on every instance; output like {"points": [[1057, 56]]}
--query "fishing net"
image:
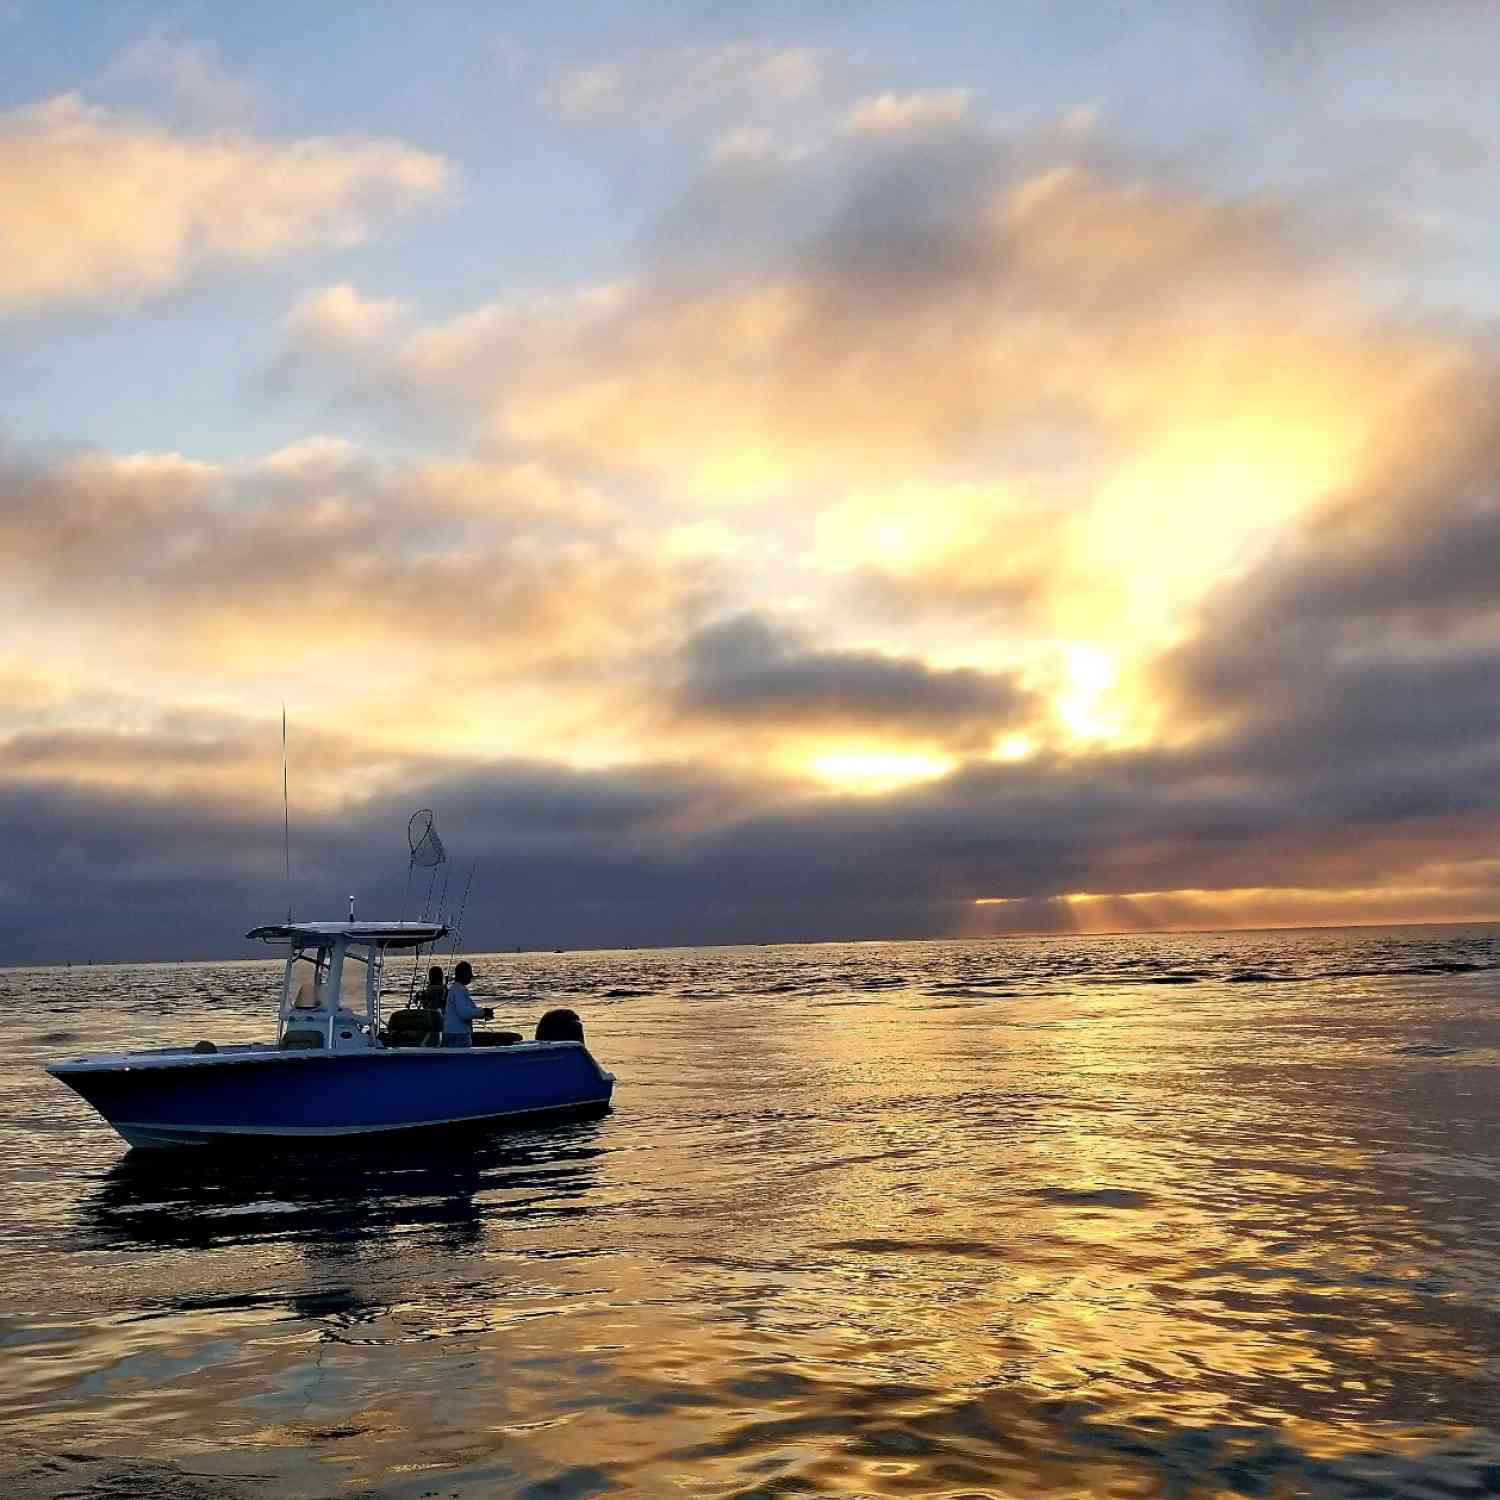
{"points": [[427, 853], [426, 847]]}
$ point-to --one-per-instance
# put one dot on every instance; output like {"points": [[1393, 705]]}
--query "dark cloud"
{"points": [[744, 671], [1425, 570], [1373, 628], [655, 854], [1352, 677]]}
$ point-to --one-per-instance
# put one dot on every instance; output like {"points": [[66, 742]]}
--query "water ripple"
{"points": [[1186, 1216]]}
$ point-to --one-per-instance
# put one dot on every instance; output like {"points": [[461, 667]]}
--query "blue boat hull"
{"points": [[299, 1096]]}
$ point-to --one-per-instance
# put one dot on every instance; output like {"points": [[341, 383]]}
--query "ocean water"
{"points": [[1181, 1216]]}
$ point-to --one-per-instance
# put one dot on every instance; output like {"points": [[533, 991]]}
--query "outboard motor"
{"points": [[559, 1026]]}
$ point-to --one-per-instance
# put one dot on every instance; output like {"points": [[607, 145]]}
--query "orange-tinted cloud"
{"points": [[317, 575], [1105, 530], [897, 114], [100, 204], [338, 317], [1027, 382]]}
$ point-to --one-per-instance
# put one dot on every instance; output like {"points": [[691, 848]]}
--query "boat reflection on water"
{"points": [[452, 1184], [326, 1310]]}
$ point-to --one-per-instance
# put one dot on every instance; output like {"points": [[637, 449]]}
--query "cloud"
{"points": [[900, 114], [988, 380], [141, 858], [657, 852], [338, 318], [194, 577], [1371, 632], [1331, 749], [468, 354], [956, 300], [1329, 742], [101, 204], [945, 547], [745, 672], [193, 75], [1290, 36], [1116, 529], [676, 82], [158, 756], [754, 148], [1038, 385]]}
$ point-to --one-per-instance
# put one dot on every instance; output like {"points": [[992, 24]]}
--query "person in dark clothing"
{"points": [[435, 994]]}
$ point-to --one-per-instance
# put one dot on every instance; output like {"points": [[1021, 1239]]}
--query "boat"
{"points": [[337, 1068]]}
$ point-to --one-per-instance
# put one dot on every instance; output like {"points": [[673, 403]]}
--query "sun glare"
{"points": [[1190, 508], [740, 472], [870, 772], [1084, 705]]}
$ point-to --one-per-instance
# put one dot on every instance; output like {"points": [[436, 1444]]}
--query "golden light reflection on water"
{"points": [[875, 1219]]}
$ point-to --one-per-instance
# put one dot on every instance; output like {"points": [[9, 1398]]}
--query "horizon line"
{"points": [[995, 937]]}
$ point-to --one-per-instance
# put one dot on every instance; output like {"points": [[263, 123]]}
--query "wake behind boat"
{"points": [[334, 1069]]}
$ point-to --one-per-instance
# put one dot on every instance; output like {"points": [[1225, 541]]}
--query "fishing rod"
{"points": [[416, 952], [463, 907]]}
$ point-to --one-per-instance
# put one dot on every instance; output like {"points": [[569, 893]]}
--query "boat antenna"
{"points": [[286, 818], [463, 907]]}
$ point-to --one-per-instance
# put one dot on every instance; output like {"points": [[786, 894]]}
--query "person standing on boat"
{"points": [[460, 1013], [434, 996]]}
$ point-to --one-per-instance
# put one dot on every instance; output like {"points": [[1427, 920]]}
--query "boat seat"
{"points": [[301, 1040], [307, 997], [413, 1028]]}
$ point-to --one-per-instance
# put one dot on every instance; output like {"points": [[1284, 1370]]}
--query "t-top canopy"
{"points": [[386, 934]]}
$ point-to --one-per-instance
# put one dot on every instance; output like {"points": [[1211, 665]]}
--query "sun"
{"points": [[1085, 705]]}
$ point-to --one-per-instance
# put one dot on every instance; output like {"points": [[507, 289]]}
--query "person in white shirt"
{"points": [[460, 1012]]}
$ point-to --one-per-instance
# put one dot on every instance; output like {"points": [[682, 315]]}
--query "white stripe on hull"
{"points": [[206, 1135]]}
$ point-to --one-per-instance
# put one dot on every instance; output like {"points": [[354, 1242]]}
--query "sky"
{"points": [[758, 473]]}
